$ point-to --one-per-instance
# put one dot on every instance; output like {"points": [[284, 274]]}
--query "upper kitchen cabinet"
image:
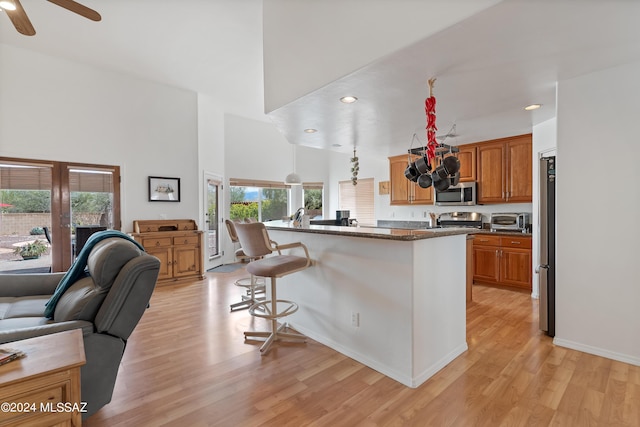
{"points": [[505, 170], [403, 191], [467, 156]]}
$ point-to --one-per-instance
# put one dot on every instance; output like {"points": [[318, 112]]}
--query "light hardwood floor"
{"points": [[187, 364]]}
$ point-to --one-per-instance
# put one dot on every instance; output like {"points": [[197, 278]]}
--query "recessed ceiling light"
{"points": [[310, 130], [348, 99], [7, 5], [532, 107]]}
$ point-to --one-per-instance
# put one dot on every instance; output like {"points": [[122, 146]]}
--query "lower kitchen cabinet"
{"points": [[502, 260]]}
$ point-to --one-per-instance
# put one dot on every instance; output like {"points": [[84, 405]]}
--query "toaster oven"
{"points": [[510, 222]]}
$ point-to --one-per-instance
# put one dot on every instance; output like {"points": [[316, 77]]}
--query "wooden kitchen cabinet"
{"points": [[502, 260], [504, 170], [402, 191], [176, 243], [467, 154]]}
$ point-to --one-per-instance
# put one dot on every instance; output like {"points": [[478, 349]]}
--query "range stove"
{"points": [[460, 219]]}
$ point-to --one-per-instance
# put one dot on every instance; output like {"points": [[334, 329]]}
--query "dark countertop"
{"points": [[372, 232], [503, 233]]}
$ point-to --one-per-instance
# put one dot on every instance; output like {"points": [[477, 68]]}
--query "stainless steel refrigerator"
{"points": [[547, 268]]}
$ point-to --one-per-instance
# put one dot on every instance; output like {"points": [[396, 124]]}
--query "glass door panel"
{"points": [[91, 203], [212, 217], [25, 214]]}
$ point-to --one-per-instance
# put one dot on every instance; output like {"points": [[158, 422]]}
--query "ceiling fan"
{"points": [[21, 21]]}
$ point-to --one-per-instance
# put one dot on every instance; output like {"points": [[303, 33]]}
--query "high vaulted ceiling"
{"points": [[489, 60]]}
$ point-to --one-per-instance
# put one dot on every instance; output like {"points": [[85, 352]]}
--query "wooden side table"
{"points": [[43, 388]]}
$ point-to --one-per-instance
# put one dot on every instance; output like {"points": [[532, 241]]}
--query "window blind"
{"points": [[238, 182], [358, 199], [25, 177]]}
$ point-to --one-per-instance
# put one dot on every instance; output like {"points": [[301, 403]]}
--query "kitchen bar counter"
{"points": [[373, 232], [394, 300]]}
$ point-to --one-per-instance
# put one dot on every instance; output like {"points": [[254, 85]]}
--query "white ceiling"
{"points": [[487, 66]]}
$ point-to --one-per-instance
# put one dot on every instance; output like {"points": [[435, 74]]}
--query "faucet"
{"points": [[297, 217]]}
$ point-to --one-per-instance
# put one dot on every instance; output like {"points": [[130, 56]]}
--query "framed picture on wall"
{"points": [[162, 189]]}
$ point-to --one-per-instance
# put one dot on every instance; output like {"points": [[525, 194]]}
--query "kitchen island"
{"points": [[392, 299]]}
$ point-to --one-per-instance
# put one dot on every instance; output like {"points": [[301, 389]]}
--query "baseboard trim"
{"points": [[620, 357]]}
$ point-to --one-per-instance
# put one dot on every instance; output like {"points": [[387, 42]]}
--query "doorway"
{"points": [[56, 197], [212, 203]]}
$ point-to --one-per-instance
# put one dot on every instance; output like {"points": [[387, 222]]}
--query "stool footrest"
{"points": [[258, 282], [267, 307]]}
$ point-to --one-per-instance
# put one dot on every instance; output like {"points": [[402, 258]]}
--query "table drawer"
{"points": [[486, 240], [516, 242], [185, 240], [156, 242]]}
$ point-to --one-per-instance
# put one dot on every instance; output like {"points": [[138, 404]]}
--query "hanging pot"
{"points": [[455, 179], [424, 180], [451, 165], [441, 172], [422, 165], [411, 173], [439, 183]]}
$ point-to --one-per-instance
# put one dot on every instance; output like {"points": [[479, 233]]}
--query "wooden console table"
{"points": [[43, 388], [176, 243]]}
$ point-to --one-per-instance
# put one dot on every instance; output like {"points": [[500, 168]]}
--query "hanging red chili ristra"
{"points": [[430, 110]]}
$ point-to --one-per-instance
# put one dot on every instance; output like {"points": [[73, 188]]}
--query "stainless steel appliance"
{"points": [[463, 194], [510, 221], [547, 268], [342, 217], [460, 219]]}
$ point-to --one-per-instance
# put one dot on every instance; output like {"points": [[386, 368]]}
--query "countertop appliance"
{"points": [[510, 221], [342, 217], [460, 219], [463, 194], [547, 268]]}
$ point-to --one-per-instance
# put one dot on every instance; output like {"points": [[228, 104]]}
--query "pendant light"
{"points": [[293, 178]]}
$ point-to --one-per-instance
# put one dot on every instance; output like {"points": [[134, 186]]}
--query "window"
{"points": [[312, 193], [260, 200], [358, 199]]}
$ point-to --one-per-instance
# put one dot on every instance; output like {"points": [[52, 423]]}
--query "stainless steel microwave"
{"points": [[463, 194]]}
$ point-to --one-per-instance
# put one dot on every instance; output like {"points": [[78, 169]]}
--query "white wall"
{"points": [[544, 144], [598, 292], [55, 109]]}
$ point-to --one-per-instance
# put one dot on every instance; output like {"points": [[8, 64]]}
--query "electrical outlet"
{"points": [[355, 319]]}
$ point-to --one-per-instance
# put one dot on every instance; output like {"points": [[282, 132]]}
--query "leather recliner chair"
{"points": [[107, 305]]}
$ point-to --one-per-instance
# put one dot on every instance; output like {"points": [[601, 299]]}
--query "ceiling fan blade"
{"points": [[76, 7], [20, 19]]}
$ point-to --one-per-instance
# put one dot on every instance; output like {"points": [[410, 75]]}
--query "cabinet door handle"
{"points": [[483, 240], [515, 243], [185, 241], [157, 243]]}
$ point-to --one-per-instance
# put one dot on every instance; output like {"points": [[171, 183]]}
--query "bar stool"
{"points": [[255, 242], [252, 284]]}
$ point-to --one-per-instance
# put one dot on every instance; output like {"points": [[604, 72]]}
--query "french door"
{"points": [[213, 194], [64, 197]]}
